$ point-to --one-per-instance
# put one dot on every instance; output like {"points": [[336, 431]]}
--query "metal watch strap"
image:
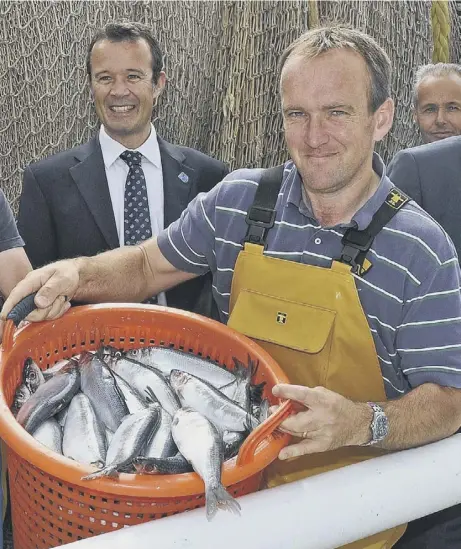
{"points": [[379, 424]]}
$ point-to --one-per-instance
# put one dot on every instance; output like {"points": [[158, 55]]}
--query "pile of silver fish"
{"points": [[152, 410]]}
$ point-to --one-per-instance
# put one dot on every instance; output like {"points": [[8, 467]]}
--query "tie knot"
{"points": [[132, 158]]}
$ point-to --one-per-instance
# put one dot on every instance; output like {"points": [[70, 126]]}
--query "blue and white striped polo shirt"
{"points": [[411, 296]]}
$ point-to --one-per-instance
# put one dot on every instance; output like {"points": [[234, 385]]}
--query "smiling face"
{"points": [[438, 111], [329, 128], [123, 91]]}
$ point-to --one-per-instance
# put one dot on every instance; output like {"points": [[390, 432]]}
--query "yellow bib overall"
{"points": [[311, 321]]}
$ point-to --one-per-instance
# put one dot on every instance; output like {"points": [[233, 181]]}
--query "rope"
{"points": [[440, 17], [313, 12]]}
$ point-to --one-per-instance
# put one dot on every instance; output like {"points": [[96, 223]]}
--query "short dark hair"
{"points": [[321, 40], [127, 31]]}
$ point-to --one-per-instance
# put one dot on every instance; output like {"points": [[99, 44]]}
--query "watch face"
{"points": [[381, 427]]}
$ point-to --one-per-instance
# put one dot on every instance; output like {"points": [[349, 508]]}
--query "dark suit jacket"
{"points": [[65, 208], [431, 175]]}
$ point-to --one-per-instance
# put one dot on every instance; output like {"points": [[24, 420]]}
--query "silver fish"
{"points": [[166, 360], [139, 377], [264, 410], [210, 402], [49, 433], [84, 437], [49, 398], [109, 436], [133, 399], [161, 444], [32, 375], [200, 443], [56, 368], [20, 396], [174, 465], [239, 390], [230, 390], [100, 386], [243, 374], [128, 441], [61, 416]]}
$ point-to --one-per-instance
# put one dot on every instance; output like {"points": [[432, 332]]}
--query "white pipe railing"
{"points": [[322, 512]]}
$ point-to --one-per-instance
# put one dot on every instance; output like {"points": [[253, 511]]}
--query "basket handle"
{"points": [[18, 313], [247, 451]]}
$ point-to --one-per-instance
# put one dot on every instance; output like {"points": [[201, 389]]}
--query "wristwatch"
{"points": [[379, 424]]}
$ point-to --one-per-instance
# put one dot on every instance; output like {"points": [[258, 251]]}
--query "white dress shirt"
{"points": [[116, 173]]}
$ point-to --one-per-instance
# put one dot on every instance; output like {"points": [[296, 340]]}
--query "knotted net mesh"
{"points": [[221, 58]]}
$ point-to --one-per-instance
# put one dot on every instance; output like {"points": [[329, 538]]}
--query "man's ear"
{"points": [[384, 117], [160, 85]]}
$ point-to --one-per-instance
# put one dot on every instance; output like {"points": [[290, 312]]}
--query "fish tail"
{"points": [[150, 395], [240, 370], [218, 498], [251, 422], [264, 410], [252, 366], [109, 471]]}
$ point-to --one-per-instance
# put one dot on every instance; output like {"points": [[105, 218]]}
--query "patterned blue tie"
{"points": [[137, 225]]}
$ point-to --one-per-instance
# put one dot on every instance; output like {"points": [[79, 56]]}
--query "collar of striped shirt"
{"points": [[298, 197]]}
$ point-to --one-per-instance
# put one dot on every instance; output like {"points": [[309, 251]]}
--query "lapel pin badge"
{"points": [[183, 177]]}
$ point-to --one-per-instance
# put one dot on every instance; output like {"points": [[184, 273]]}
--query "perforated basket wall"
{"points": [[51, 505]]}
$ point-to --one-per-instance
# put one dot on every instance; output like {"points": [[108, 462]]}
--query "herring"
{"points": [[139, 377], [49, 434], [200, 443], [167, 360], [56, 368], [84, 437], [20, 396], [211, 403], [161, 443], [174, 465], [49, 398], [133, 399], [128, 441], [32, 375], [100, 386]]}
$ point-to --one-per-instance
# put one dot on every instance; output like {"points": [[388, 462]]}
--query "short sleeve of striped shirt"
{"points": [[188, 243], [428, 339]]}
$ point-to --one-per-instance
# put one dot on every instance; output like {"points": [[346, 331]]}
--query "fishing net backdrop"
{"points": [[220, 58]]}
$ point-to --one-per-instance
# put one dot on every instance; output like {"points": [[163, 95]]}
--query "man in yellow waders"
{"points": [[353, 288]]}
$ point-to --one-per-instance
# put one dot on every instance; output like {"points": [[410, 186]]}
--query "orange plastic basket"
{"points": [[51, 505]]}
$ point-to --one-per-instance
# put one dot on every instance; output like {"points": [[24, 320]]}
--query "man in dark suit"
{"points": [[431, 175], [126, 184]]}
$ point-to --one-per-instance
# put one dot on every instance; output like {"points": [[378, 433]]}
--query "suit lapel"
{"points": [[90, 177], [178, 181]]}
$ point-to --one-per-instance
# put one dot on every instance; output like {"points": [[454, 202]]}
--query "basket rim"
{"points": [[145, 486]]}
